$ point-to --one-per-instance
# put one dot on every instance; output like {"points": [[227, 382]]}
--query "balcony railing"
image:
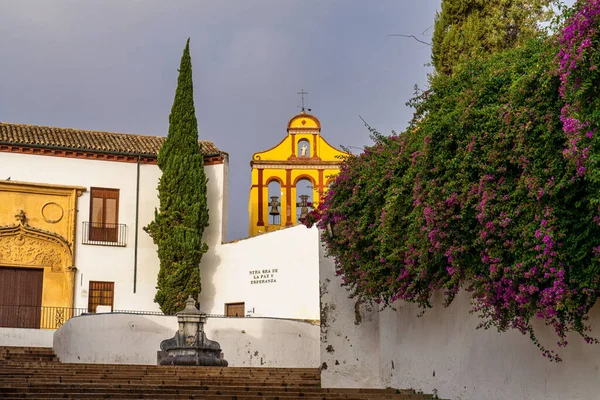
{"points": [[36, 317], [104, 234], [42, 317]]}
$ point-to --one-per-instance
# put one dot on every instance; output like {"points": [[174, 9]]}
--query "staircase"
{"points": [[27, 373]]}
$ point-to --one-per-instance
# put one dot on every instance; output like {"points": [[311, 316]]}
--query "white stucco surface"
{"points": [[274, 275], [135, 339], [349, 347], [110, 263], [442, 352], [26, 337]]}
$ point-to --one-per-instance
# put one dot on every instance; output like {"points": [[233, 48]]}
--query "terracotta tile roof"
{"points": [[92, 141]]}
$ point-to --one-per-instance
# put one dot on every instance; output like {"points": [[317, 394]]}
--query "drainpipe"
{"points": [[137, 212], [117, 153]]}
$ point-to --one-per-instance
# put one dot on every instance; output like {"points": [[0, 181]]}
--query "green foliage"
{"points": [[178, 227], [493, 188], [469, 29]]}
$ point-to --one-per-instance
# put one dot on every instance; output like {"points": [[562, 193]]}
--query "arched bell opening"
{"points": [[274, 202], [304, 197]]}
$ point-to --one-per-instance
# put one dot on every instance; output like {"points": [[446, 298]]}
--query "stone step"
{"points": [[209, 393], [176, 379], [197, 380], [124, 381], [109, 392], [22, 349], [154, 372], [203, 396], [153, 377], [158, 369], [105, 367], [213, 384], [64, 369], [27, 373], [51, 365], [132, 375], [209, 387]]}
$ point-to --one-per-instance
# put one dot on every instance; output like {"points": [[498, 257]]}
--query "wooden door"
{"points": [[234, 309], [21, 297]]}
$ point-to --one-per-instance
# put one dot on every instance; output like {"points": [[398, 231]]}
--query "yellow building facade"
{"points": [[37, 236], [302, 159]]}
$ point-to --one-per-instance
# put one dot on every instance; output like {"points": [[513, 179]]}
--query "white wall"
{"points": [[135, 339], [293, 252], [349, 340], [443, 352], [26, 337], [107, 263], [225, 268]]}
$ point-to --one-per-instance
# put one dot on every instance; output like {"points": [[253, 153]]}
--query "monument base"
{"points": [[196, 360], [190, 346]]}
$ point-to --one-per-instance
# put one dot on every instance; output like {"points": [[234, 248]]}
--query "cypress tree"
{"points": [[178, 227], [466, 29]]}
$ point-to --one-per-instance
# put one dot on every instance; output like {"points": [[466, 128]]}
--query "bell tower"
{"points": [[290, 179]]}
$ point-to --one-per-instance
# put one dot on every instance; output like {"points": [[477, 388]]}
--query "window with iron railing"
{"points": [[104, 234], [103, 227]]}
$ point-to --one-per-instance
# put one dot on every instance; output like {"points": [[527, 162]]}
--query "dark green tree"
{"points": [[467, 29], [178, 227]]}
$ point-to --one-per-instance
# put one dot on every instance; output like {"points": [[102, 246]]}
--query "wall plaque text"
{"points": [[263, 276]]}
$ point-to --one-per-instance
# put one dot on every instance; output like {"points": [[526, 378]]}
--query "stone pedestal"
{"points": [[190, 346]]}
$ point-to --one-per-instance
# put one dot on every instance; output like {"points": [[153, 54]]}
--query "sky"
{"points": [[111, 65]]}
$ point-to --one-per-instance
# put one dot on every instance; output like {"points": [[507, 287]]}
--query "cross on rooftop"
{"points": [[302, 93]]}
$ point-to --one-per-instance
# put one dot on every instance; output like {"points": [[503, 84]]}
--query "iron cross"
{"points": [[302, 93]]}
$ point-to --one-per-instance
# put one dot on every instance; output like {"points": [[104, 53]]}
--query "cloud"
{"points": [[112, 65]]}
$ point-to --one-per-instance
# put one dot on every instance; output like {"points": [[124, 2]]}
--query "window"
{"points": [[101, 294], [234, 309], [104, 215]]}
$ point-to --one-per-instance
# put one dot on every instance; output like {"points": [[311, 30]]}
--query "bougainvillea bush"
{"points": [[493, 188]]}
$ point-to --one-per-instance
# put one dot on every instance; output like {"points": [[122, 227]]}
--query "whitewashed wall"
{"points": [[443, 352], [116, 264], [26, 337], [135, 339], [287, 259], [274, 274], [349, 335]]}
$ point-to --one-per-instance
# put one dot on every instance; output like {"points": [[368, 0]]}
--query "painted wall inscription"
{"points": [[263, 276]]}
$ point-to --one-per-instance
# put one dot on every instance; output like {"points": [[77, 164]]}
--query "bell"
{"points": [[303, 205], [274, 203]]}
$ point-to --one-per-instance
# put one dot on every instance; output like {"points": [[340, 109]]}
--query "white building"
{"points": [[87, 195]]}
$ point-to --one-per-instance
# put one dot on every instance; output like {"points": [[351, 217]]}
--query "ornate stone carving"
{"points": [[23, 245]]}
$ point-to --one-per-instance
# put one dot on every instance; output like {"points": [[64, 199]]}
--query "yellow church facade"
{"points": [[37, 236], [282, 174]]}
